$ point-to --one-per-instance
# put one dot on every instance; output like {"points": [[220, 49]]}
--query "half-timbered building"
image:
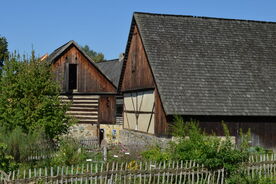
{"points": [[208, 69]]}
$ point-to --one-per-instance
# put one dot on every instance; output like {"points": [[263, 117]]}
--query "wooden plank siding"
{"points": [[138, 76], [137, 73], [107, 109], [161, 125], [89, 79]]}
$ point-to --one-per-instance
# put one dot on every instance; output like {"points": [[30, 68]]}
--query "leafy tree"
{"points": [[95, 56], [29, 98], [4, 53]]}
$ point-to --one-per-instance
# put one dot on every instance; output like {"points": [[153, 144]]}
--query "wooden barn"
{"points": [[208, 69], [88, 86]]}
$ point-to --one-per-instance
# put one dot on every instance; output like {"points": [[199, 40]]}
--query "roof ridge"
{"points": [[109, 60], [205, 17], [61, 46]]}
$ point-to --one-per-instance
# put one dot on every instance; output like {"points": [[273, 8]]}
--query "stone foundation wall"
{"points": [[111, 132], [83, 131], [137, 139], [140, 141], [116, 134], [86, 131]]}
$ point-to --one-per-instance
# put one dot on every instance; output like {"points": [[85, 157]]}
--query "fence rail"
{"points": [[138, 172]]}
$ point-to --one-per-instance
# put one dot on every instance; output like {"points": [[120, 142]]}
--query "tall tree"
{"points": [[4, 53], [95, 56], [30, 98]]}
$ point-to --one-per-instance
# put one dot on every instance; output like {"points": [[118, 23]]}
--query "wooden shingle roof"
{"points": [[211, 66], [112, 69]]}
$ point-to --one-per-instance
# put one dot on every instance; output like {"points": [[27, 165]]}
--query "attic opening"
{"points": [[72, 82]]}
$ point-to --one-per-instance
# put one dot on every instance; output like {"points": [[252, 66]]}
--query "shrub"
{"points": [[193, 144], [69, 153], [21, 145], [258, 150], [6, 161], [156, 153]]}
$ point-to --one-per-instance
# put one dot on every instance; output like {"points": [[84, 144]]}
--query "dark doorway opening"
{"points": [[101, 135], [72, 76]]}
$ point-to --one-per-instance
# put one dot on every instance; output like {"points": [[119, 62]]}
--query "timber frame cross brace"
{"points": [[138, 110]]}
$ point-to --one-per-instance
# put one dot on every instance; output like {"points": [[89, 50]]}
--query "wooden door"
{"points": [[139, 111], [107, 109]]}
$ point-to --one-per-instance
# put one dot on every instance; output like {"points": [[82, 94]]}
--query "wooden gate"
{"points": [[139, 111]]}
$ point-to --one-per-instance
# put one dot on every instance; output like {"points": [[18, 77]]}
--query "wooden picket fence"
{"points": [[138, 173], [90, 145], [261, 165], [127, 173]]}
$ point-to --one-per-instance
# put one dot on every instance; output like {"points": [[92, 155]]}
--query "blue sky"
{"points": [[104, 24]]}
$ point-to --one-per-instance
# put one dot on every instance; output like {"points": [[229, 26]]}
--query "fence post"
{"points": [[5, 177], [222, 176], [105, 153], [104, 145]]}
